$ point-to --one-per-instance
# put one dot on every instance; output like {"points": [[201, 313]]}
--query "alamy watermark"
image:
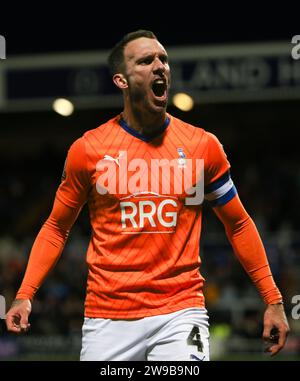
{"points": [[179, 176], [296, 308], [2, 47], [295, 52], [2, 307]]}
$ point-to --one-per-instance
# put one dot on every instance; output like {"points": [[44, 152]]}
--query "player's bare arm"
{"points": [[17, 316], [276, 328]]}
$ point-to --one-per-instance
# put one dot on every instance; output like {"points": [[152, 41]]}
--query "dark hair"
{"points": [[116, 56]]}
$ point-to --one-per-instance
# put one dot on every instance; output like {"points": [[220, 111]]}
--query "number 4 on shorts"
{"points": [[195, 338]]}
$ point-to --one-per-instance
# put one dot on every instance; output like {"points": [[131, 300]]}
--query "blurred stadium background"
{"points": [[246, 90]]}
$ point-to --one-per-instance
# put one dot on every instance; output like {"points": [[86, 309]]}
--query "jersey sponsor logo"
{"points": [[181, 177], [150, 212]]}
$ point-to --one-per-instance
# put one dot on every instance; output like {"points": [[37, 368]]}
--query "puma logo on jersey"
{"points": [[116, 160]]}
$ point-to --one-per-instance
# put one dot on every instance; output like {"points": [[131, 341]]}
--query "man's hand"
{"points": [[17, 316], [276, 328]]}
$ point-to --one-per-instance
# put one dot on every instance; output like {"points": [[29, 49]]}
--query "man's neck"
{"points": [[144, 123]]}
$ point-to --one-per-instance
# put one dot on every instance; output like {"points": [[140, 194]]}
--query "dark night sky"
{"points": [[48, 30], [92, 40]]}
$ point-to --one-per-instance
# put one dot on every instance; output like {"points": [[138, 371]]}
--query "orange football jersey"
{"points": [[143, 257]]}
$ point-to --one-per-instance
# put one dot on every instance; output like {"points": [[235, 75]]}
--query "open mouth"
{"points": [[159, 87]]}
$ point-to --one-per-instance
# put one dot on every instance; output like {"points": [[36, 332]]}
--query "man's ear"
{"points": [[120, 81]]}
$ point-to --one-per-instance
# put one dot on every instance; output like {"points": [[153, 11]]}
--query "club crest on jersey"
{"points": [[182, 158]]}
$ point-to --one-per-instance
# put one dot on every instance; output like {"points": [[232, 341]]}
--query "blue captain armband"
{"points": [[220, 191]]}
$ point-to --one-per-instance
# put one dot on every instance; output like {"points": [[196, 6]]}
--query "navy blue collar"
{"points": [[145, 138]]}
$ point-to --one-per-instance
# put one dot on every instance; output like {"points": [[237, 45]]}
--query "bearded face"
{"points": [[147, 74]]}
